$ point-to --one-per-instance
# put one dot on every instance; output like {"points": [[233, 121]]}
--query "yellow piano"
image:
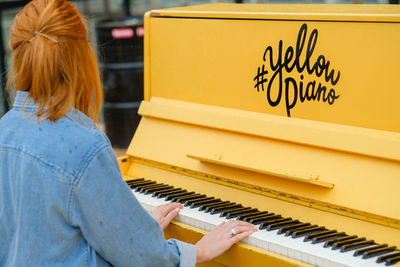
{"points": [[286, 116]]}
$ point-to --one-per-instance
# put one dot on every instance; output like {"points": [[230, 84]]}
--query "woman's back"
{"points": [[40, 163]]}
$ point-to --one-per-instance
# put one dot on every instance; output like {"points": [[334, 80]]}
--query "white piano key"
{"points": [[295, 248]]}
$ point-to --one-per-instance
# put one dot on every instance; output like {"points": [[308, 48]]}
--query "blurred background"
{"points": [[116, 32]]}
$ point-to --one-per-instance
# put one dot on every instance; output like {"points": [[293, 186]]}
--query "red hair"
{"points": [[52, 59]]}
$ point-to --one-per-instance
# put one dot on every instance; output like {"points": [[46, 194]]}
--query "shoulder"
{"points": [[65, 146], [76, 142]]}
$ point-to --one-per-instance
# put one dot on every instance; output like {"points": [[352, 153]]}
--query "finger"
{"points": [[172, 214], [169, 217], [240, 237], [219, 226], [246, 228], [235, 223], [167, 208]]}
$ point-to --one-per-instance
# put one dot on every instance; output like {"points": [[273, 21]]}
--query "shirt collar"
{"points": [[73, 114], [20, 99]]}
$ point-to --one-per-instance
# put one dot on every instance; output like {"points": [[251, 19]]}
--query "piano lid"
{"points": [[298, 103], [340, 12]]}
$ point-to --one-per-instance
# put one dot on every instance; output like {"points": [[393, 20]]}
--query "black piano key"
{"points": [[392, 261], [258, 220], [259, 216], [356, 245], [190, 201], [225, 213], [158, 192], [338, 245], [186, 198], [243, 216], [378, 252], [291, 231], [199, 202], [385, 257], [361, 251], [208, 206], [266, 223], [274, 226], [134, 180], [153, 190], [215, 203], [212, 205], [225, 209], [171, 196], [169, 192], [300, 233], [162, 190], [149, 185], [141, 189], [145, 182], [181, 191], [330, 242], [291, 227], [234, 214], [270, 221], [217, 210], [324, 238], [138, 188], [311, 236], [255, 213], [247, 217]]}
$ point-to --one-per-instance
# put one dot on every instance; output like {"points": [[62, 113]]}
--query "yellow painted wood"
{"points": [[202, 65], [378, 13], [351, 225], [146, 56], [312, 179], [360, 181], [215, 62], [296, 199], [374, 143], [123, 162]]}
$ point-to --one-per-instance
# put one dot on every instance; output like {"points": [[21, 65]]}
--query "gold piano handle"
{"points": [[312, 179]]}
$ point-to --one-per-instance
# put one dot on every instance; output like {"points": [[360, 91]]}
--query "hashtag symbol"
{"points": [[260, 79]]}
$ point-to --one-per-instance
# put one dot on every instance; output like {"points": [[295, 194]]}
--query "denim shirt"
{"points": [[63, 201]]}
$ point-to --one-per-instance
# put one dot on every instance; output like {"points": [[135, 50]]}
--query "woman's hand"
{"points": [[165, 213], [221, 238]]}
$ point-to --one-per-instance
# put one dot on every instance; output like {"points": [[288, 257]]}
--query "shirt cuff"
{"points": [[187, 253]]}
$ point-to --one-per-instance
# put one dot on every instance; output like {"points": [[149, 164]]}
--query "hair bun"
{"points": [[57, 77]]}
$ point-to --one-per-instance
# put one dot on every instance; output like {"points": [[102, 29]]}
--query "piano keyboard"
{"points": [[289, 237]]}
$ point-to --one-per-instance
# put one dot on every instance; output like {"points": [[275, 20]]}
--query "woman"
{"points": [[62, 198]]}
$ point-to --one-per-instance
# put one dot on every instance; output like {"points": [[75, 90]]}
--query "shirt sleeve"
{"points": [[115, 224]]}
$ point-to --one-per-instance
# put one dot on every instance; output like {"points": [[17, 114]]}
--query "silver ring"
{"points": [[233, 232]]}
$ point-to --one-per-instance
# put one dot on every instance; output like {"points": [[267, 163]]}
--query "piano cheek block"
{"points": [[283, 116]]}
